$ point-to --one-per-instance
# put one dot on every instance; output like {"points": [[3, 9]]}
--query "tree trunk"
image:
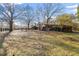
{"points": [[11, 26], [47, 27], [28, 25], [39, 26], [11, 21]]}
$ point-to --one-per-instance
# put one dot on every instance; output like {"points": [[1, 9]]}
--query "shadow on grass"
{"points": [[2, 38], [71, 32]]}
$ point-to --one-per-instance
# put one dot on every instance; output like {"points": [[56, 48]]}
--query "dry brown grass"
{"points": [[38, 43]]}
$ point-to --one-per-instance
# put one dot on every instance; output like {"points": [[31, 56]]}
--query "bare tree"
{"points": [[9, 13], [28, 15], [49, 10], [38, 16]]}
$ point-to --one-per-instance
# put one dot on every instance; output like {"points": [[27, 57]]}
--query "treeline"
{"points": [[64, 22], [38, 17]]}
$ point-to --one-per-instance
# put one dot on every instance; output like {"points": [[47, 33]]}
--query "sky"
{"points": [[70, 8]]}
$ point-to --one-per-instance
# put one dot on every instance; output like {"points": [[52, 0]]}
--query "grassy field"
{"points": [[2, 37], [39, 43]]}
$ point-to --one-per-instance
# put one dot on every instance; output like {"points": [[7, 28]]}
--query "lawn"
{"points": [[40, 43], [2, 37]]}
